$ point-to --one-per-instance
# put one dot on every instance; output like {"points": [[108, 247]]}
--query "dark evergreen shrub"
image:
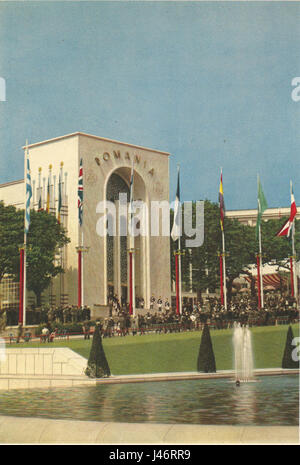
{"points": [[97, 366], [206, 358], [287, 360]]}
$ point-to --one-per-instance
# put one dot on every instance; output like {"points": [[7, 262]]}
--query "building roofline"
{"points": [[247, 210], [11, 183], [94, 137]]}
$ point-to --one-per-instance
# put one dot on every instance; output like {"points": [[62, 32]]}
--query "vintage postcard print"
{"points": [[149, 224]]}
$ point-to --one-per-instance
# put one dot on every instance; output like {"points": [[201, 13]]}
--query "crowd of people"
{"points": [[162, 317], [44, 315]]}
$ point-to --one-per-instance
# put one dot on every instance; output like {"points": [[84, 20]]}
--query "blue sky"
{"points": [[209, 82]]}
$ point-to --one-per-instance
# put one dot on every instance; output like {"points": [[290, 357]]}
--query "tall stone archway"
{"points": [[117, 272]]}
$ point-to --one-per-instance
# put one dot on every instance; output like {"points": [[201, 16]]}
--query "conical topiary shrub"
{"points": [[287, 359], [97, 366], [206, 358]]}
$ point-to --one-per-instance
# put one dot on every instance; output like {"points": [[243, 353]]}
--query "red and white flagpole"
{"points": [[224, 270], [292, 276], [79, 287], [21, 285], [259, 267], [179, 276], [130, 282], [293, 259], [131, 250], [223, 287], [221, 280], [23, 249], [258, 281], [177, 283]]}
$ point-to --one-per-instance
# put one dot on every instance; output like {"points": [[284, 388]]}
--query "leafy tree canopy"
{"points": [[45, 237]]}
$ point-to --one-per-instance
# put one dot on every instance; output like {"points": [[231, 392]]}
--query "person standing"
{"points": [[20, 331], [152, 301], [86, 330], [159, 304]]}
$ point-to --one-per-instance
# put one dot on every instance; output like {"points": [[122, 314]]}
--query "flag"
{"points": [[287, 227], [176, 229], [221, 203], [48, 196], [80, 193], [130, 223], [59, 200], [131, 187], [262, 206], [28, 197]]}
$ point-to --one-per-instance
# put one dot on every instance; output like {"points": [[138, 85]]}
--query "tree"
{"points": [[206, 358], [45, 237], [241, 247], [287, 360], [11, 238], [97, 366]]}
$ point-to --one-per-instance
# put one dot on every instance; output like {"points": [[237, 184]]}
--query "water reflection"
{"points": [[270, 401]]}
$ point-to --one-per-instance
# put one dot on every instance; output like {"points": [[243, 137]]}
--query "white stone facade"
{"points": [[101, 158]]}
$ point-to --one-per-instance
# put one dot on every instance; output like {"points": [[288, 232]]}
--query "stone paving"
{"points": [[16, 430]]}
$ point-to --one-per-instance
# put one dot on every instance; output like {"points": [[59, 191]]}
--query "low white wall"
{"points": [[42, 361]]}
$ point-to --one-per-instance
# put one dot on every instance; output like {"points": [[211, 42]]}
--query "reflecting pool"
{"points": [[272, 400]]}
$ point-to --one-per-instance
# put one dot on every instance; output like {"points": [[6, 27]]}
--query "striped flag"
{"points": [[48, 196], [28, 198], [262, 206], [221, 203], [59, 200], [176, 229], [80, 193], [287, 227]]}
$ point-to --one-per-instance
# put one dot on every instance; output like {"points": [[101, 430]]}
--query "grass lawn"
{"points": [[163, 353]]}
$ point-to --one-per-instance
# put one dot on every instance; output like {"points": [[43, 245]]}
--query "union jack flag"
{"points": [[80, 193]]}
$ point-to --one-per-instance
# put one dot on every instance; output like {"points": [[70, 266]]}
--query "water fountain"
{"points": [[243, 356]]}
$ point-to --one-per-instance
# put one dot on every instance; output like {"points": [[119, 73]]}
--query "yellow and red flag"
{"points": [[221, 203]]}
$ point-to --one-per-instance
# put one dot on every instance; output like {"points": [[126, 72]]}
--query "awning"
{"points": [[273, 279]]}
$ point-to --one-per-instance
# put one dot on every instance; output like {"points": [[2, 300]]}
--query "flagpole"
{"points": [[25, 236], [179, 284], [259, 269], [224, 270], [221, 279], [179, 276], [258, 281], [223, 264], [82, 294], [179, 261], [293, 261], [80, 236], [40, 190], [176, 236], [131, 250], [294, 265]]}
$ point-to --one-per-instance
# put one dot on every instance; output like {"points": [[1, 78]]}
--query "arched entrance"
{"points": [[117, 246]]}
